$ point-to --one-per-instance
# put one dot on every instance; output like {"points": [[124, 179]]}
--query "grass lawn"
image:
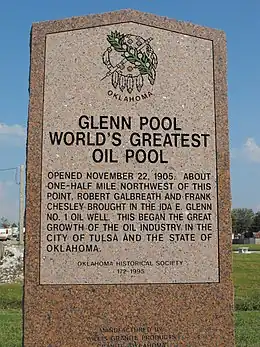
{"points": [[10, 315], [11, 296], [247, 328], [10, 327], [246, 275]]}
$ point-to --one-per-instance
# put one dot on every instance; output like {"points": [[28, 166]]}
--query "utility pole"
{"points": [[21, 205]]}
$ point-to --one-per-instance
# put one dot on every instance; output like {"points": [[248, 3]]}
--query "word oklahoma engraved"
{"points": [[129, 60]]}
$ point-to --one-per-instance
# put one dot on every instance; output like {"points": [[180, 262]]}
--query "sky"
{"points": [[239, 19]]}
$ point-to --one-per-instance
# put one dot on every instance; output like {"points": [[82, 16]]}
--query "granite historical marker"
{"points": [[128, 199]]}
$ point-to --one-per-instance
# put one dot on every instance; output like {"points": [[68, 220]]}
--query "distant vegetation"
{"points": [[5, 223], [245, 221]]}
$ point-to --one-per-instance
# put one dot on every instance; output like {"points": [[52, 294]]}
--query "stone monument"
{"points": [[128, 230]]}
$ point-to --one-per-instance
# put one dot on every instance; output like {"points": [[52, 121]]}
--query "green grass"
{"points": [[11, 315], [11, 296], [247, 329], [10, 327], [250, 247], [246, 276]]}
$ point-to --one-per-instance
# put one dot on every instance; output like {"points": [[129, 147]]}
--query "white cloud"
{"points": [[12, 135], [12, 146], [1, 191], [234, 153], [13, 130], [252, 150], [9, 200], [257, 208]]}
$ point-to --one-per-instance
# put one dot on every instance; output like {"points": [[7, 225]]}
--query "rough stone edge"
{"points": [[219, 45], [124, 16]]}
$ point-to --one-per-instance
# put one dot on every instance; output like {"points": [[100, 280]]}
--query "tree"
{"points": [[242, 219], [233, 223], [4, 222], [14, 225], [255, 226]]}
